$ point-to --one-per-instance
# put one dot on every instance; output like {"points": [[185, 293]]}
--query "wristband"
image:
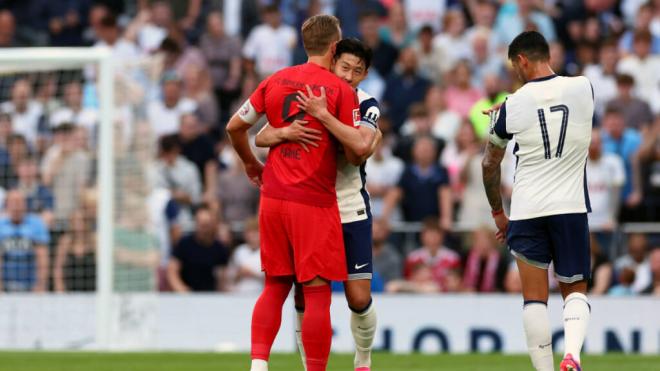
{"points": [[497, 212]]}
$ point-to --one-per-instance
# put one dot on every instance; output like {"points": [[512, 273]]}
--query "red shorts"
{"points": [[301, 239]]}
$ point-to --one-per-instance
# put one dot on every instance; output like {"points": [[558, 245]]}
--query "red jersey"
{"points": [[290, 172]]}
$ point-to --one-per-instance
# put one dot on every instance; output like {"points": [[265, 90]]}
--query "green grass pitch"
{"points": [[80, 361]]}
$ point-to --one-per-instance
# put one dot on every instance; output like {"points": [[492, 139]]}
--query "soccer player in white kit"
{"points": [[351, 63], [550, 120]]}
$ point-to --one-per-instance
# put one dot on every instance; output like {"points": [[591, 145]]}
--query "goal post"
{"points": [[26, 60]]}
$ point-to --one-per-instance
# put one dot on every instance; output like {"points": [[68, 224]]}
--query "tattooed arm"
{"points": [[491, 167]]}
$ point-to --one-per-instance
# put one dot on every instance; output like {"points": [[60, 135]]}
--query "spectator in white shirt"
{"points": [[603, 75], [643, 66], [636, 259], [73, 112], [270, 45], [109, 35], [246, 261], [605, 177], [384, 172], [165, 115], [26, 113]]}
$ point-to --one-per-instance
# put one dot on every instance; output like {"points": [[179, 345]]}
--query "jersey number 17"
{"points": [[544, 129]]}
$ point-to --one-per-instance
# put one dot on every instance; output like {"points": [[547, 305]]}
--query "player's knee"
{"points": [[359, 302]]}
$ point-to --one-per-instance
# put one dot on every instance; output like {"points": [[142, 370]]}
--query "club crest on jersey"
{"points": [[356, 117]]}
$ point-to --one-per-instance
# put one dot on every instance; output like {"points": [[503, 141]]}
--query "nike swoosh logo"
{"points": [[360, 266]]}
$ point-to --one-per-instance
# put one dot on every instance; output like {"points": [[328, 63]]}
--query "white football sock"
{"points": [[539, 339], [363, 327], [576, 318], [259, 365], [301, 348]]}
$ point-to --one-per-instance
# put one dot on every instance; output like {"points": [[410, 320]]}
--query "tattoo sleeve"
{"points": [[492, 174]]}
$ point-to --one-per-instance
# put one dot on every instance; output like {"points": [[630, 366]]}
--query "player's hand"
{"points": [[502, 223], [254, 172], [312, 104], [494, 108], [297, 132]]}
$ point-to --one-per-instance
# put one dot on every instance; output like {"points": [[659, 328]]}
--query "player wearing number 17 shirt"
{"points": [[550, 120], [300, 228]]}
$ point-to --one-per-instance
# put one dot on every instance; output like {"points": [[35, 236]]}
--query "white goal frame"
{"points": [[40, 59]]}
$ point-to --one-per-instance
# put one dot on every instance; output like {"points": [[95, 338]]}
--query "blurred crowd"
{"points": [[185, 212]]}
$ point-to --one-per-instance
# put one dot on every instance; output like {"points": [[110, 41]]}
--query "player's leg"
{"points": [[299, 300], [359, 262], [277, 263], [573, 268], [530, 245], [319, 257], [316, 326]]}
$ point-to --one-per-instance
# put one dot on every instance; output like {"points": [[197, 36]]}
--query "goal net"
{"points": [[77, 223]]}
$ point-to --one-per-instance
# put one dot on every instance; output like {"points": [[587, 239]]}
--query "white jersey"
{"points": [[352, 195], [550, 120]]}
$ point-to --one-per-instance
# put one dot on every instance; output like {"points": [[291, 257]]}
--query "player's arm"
{"points": [[297, 132], [491, 168], [356, 142], [237, 131]]}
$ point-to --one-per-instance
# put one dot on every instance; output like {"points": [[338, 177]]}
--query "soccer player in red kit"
{"points": [[300, 229]]}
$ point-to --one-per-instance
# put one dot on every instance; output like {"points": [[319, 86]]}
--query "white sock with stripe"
{"points": [[299, 318], [576, 319], [363, 327]]}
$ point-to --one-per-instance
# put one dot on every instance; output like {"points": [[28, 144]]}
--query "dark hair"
{"points": [[355, 47], [64, 128], [431, 223], [426, 29], [625, 79], [369, 13], [109, 20], [319, 32], [532, 45], [169, 143], [273, 8], [644, 35], [613, 110], [170, 45]]}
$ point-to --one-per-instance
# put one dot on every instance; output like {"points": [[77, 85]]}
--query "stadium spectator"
{"points": [[197, 86], [515, 17], [461, 95], [403, 88], [109, 35], [494, 94], [246, 260], [654, 262], [73, 111], [38, 197], [647, 172], [636, 112], [223, 55], [180, 176], [512, 283], [165, 115], [66, 169], [197, 147], [417, 125], [350, 14], [602, 75], [483, 13], [387, 261], [484, 61], [433, 254], [74, 268], [199, 260], [185, 13], [445, 123], [65, 21], [485, 265], [423, 188], [637, 260], [643, 18], [457, 155], [237, 198], [180, 57], [151, 26], [395, 31], [429, 57], [643, 66], [621, 141], [473, 206], [7, 30], [420, 281], [624, 287], [452, 43], [384, 54], [23, 247], [16, 150], [601, 270], [605, 177], [269, 47], [384, 171], [26, 113]]}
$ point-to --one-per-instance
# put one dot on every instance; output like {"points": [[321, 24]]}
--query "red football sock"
{"points": [[267, 315], [316, 327]]}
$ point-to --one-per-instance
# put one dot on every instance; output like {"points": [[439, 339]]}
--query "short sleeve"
{"points": [[171, 212], [39, 231], [370, 113], [443, 179], [348, 108], [498, 133]]}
